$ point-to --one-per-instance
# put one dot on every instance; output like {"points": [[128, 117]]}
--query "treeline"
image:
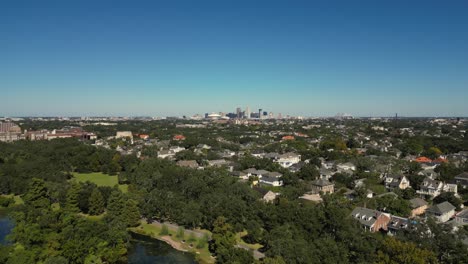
{"points": [[290, 230], [50, 229], [54, 161], [54, 232]]}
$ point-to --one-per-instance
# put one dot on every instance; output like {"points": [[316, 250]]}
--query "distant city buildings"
{"points": [[11, 132]]}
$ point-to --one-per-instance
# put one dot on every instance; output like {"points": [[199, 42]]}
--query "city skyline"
{"points": [[173, 59]]}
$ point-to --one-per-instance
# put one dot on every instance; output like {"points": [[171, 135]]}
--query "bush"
{"points": [[202, 242], [191, 238], [164, 230], [5, 201], [180, 233]]}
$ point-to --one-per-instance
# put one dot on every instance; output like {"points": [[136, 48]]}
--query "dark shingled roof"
{"points": [[463, 175], [365, 216], [442, 208], [417, 202], [321, 182]]}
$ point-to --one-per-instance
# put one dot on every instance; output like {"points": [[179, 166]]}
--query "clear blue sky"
{"points": [[158, 58]]}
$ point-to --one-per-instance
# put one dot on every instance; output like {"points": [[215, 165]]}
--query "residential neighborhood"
{"points": [[392, 180]]}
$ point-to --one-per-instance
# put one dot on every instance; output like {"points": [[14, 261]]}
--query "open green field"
{"points": [[100, 179]]}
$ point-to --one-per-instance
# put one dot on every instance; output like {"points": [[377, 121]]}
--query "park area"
{"points": [[100, 179]]}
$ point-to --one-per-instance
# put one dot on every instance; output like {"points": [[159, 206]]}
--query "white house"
{"points": [[288, 159], [396, 182], [346, 167], [441, 212], [434, 187]]}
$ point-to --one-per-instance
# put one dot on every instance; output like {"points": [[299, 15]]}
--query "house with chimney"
{"points": [[371, 220]]}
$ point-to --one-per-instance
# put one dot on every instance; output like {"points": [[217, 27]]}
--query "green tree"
{"points": [[394, 251], [37, 196], [202, 242], [164, 230], [180, 232], [72, 203], [131, 213], [96, 202], [115, 206]]}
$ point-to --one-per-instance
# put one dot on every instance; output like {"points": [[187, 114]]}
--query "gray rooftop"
{"points": [[442, 208], [417, 202]]}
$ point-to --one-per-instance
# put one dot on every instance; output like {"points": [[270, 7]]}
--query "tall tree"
{"points": [[37, 195], [96, 202], [72, 202], [131, 213]]}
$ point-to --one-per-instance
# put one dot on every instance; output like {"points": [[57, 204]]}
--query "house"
{"points": [[188, 163], [260, 173], [178, 137], [288, 159], [144, 136], [273, 181], [287, 138], [273, 174], [322, 185], [418, 206], [370, 219], [462, 179], [396, 182], [397, 224], [203, 146], [267, 195], [462, 218], [441, 212], [296, 167], [176, 149], [434, 188], [251, 172], [272, 155], [240, 174], [163, 154], [258, 153], [220, 163], [325, 173], [346, 167], [429, 173], [227, 153], [423, 160], [124, 134]]}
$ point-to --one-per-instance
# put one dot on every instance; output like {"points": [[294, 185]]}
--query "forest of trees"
{"points": [[50, 228]]}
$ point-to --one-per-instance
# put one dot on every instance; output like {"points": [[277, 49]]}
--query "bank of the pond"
{"points": [[144, 249], [6, 225]]}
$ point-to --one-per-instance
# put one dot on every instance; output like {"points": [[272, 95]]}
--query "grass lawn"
{"points": [[202, 254], [101, 179], [94, 217], [240, 241]]}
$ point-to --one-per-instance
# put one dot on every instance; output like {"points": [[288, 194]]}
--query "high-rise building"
{"points": [[247, 112], [238, 112], [260, 113]]}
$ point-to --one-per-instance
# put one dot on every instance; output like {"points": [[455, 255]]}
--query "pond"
{"points": [[143, 250], [6, 225]]}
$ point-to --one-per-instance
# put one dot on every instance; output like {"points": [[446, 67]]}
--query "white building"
{"points": [[288, 159]]}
